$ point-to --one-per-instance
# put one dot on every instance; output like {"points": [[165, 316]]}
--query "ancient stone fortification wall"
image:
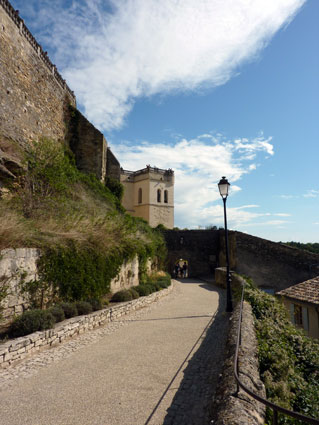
{"points": [[15, 350], [22, 263], [35, 102], [33, 94], [113, 167], [88, 145], [274, 265], [240, 409], [199, 247]]}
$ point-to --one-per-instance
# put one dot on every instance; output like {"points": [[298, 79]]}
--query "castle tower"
{"points": [[149, 193]]}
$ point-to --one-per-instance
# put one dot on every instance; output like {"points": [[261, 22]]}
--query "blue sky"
{"points": [[208, 88]]}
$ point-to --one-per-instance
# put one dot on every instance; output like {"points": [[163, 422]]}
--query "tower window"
{"points": [[165, 196], [140, 196], [159, 195]]}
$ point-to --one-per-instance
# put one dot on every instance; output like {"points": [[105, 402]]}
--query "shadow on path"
{"points": [[192, 401]]}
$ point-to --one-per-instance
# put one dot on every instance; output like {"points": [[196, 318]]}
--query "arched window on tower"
{"points": [[166, 196], [140, 195], [159, 195]]}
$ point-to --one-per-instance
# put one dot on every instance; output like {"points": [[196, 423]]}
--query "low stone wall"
{"points": [[19, 263], [240, 409], [13, 351]]}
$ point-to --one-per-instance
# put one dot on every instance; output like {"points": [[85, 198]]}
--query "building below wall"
{"points": [[149, 194], [302, 302]]}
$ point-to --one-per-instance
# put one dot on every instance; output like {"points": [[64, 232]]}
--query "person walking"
{"points": [[185, 269], [176, 270]]}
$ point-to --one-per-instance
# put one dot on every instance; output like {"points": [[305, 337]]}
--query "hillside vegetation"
{"points": [[311, 247], [288, 359], [77, 221]]}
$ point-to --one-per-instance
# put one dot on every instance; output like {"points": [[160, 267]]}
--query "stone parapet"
{"points": [[229, 407], [13, 351]]}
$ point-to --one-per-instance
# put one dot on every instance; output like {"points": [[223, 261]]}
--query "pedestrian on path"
{"points": [[185, 269]]}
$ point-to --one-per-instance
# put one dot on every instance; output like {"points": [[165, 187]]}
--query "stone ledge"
{"points": [[13, 351], [240, 409]]}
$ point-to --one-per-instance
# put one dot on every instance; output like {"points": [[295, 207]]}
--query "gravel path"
{"points": [[156, 366]]}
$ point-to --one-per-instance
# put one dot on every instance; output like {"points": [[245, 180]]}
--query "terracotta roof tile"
{"points": [[305, 291]]}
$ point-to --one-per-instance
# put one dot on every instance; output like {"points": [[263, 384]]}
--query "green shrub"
{"points": [[83, 307], [121, 296], [80, 274], [31, 321], [115, 187], [96, 304], [57, 312], [152, 287], [143, 290], [69, 309], [134, 293], [288, 360], [162, 284]]}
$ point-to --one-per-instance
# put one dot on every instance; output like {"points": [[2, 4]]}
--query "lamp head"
{"points": [[223, 187]]}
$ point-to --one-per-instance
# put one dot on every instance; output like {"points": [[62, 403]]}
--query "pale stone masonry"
{"points": [[21, 263], [13, 351], [16, 264], [149, 194]]}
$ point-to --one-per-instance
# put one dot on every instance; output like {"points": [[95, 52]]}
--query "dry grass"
{"points": [[82, 219]]}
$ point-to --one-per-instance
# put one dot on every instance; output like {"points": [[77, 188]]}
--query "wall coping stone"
{"points": [[14, 350]]}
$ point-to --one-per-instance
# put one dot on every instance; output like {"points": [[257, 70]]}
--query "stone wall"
{"points": [[88, 144], [113, 168], [36, 102], [15, 264], [274, 265], [127, 276], [13, 351], [230, 407], [199, 247], [33, 93], [22, 263]]}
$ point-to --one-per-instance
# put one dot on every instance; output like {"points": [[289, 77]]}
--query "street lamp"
{"points": [[223, 187]]}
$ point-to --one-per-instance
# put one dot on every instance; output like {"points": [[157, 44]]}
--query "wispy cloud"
{"points": [[112, 53], [199, 163], [287, 196], [311, 193]]}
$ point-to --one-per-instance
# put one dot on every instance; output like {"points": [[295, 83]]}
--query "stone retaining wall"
{"points": [[240, 409], [13, 351], [22, 262], [15, 264]]}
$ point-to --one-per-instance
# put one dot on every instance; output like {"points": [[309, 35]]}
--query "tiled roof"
{"points": [[307, 291]]}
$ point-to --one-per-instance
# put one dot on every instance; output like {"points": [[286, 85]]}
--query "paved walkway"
{"points": [[157, 366]]}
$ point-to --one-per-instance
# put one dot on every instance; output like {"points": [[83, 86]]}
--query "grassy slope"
{"points": [[54, 207]]}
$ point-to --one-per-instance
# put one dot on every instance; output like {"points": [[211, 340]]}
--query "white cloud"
{"points": [[112, 53], [199, 164], [287, 196], [311, 194]]}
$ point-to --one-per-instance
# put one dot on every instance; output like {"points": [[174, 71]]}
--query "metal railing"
{"points": [[276, 409]]}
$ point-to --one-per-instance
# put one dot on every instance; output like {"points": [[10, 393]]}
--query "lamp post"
{"points": [[223, 187]]}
